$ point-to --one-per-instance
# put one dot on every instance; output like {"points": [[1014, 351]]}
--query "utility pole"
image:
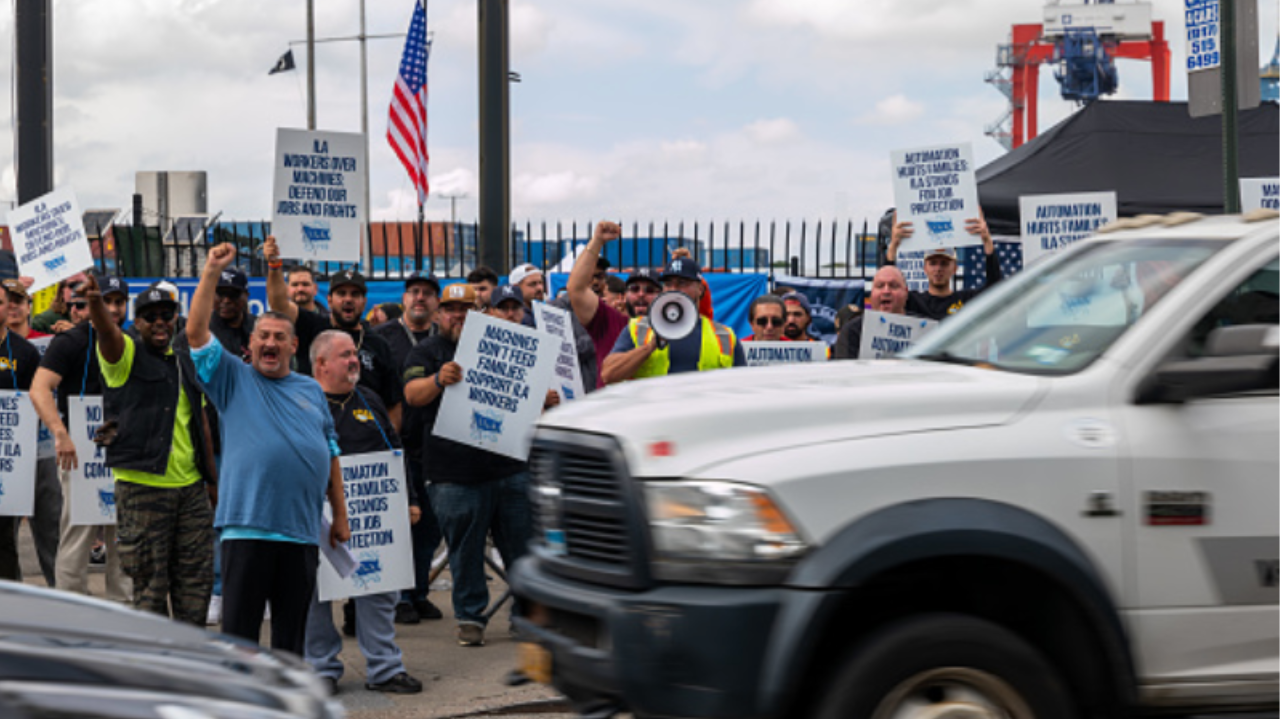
{"points": [[495, 110], [453, 205], [1230, 112], [311, 64], [33, 31]]}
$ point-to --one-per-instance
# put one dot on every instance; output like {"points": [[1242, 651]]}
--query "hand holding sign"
{"points": [[449, 374]]}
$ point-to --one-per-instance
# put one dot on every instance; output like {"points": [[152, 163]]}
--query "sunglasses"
{"points": [[769, 321], [151, 316], [79, 304]]}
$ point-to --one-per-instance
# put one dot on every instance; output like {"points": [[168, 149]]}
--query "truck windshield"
{"points": [[1057, 318]]}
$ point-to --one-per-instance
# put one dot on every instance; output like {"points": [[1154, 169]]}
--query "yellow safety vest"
{"points": [[716, 353]]}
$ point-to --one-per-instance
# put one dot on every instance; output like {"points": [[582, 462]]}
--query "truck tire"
{"points": [[944, 665]]}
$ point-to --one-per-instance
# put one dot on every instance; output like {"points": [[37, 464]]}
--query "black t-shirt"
{"points": [[19, 360], [849, 340], [362, 424], [378, 370], [71, 355], [443, 460], [233, 339], [923, 304], [397, 336]]}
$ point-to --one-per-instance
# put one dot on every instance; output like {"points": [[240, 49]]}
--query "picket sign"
{"points": [[378, 512]]}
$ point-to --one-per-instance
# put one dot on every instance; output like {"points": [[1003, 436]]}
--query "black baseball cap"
{"points": [[681, 267], [151, 297], [504, 293], [112, 284], [347, 277], [643, 274], [233, 278], [422, 277]]}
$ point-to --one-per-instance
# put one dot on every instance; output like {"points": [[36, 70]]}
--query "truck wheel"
{"points": [[945, 666]]}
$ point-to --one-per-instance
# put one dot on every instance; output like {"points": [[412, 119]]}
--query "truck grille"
{"points": [[593, 506]]}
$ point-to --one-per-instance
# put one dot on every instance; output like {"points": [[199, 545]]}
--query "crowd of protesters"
{"points": [[223, 429]]}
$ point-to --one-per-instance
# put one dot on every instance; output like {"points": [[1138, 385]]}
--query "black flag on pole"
{"points": [[284, 64]]}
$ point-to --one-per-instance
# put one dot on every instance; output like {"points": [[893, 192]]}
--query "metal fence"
{"points": [[392, 250]]}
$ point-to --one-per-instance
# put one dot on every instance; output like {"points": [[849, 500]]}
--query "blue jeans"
{"points": [[469, 512], [425, 536]]}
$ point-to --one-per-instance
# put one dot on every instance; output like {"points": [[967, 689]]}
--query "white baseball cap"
{"points": [[519, 274]]}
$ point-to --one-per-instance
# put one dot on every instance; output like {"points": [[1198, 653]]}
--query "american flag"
{"points": [[407, 118], [975, 262]]}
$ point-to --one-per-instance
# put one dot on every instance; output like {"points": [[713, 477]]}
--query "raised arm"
{"points": [[110, 338], [218, 260], [901, 231], [585, 302], [277, 289]]}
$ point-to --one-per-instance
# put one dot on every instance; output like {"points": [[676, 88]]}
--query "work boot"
{"points": [[471, 635]]}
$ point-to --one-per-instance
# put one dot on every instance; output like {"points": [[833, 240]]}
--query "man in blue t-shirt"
{"points": [[279, 461]]}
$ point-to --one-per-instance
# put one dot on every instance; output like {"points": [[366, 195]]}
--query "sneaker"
{"points": [[330, 684], [406, 614], [215, 611], [471, 635], [349, 619], [427, 610], [401, 683]]}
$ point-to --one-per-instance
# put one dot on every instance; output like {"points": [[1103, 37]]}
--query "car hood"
{"points": [[58, 648], [711, 417]]}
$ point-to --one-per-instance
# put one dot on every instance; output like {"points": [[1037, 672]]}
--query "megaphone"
{"points": [[673, 315]]}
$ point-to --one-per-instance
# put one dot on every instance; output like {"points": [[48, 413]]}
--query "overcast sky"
{"points": [[633, 109]]}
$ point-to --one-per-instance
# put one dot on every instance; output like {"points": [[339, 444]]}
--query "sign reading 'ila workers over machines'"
{"points": [[49, 239], [506, 371], [318, 203], [935, 190], [378, 513]]}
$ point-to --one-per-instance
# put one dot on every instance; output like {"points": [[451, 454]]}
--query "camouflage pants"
{"points": [[165, 541]]}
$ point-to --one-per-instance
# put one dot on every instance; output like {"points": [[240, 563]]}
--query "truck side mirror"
{"points": [[1237, 359]]}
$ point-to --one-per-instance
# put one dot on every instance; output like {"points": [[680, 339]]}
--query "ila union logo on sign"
{"points": [[315, 236], [53, 264], [368, 571], [486, 425]]}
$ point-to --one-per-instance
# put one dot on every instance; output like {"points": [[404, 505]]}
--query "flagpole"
{"points": [[311, 65], [364, 121]]}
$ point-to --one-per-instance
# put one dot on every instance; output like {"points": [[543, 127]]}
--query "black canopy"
{"points": [[1157, 158]]}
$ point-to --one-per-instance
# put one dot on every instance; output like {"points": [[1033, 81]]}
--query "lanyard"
{"points": [[13, 373], [376, 423]]}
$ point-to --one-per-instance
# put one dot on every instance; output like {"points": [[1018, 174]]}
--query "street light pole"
{"points": [[453, 205]]}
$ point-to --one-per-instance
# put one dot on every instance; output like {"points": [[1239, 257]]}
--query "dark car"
{"points": [[66, 655]]}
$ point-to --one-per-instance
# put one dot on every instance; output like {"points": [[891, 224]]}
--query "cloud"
{"points": [[893, 110], [773, 131], [553, 188]]}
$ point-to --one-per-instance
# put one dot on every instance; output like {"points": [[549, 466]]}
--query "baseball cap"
{"points": [[422, 277], [458, 292], [643, 274], [347, 277], [233, 278], [109, 285], [165, 286], [947, 252], [16, 288], [799, 299], [519, 274], [681, 267], [504, 293], [150, 297]]}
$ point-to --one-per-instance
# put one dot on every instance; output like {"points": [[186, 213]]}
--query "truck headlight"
{"points": [[719, 531]]}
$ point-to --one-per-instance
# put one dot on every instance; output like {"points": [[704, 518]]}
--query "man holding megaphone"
{"points": [[673, 337]]}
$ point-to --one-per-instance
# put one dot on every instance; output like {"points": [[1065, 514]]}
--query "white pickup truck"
{"points": [[1063, 503]]}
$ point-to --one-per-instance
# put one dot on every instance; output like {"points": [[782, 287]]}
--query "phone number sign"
{"points": [[1204, 52]]}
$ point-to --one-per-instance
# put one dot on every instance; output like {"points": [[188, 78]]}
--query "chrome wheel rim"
{"points": [[953, 693]]}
